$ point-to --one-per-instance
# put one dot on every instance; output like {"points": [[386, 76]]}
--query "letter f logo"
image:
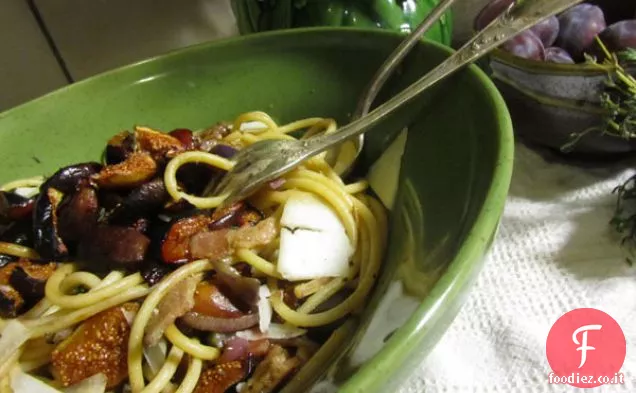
{"points": [[584, 347]]}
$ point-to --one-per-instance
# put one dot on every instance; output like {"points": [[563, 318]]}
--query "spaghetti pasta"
{"points": [[190, 346], [192, 376], [17, 250], [166, 256], [32, 182]]}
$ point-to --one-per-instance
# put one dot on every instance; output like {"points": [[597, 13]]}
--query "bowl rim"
{"points": [[463, 266], [544, 67], [461, 270]]}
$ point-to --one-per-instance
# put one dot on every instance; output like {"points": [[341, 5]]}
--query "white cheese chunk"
{"points": [[264, 309], [250, 126], [313, 241], [384, 174], [94, 384], [22, 382], [26, 192]]}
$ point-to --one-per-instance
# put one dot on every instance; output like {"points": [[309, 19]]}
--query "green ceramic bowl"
{"points": [[452, 187]]}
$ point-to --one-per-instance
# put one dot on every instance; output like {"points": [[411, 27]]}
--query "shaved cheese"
{"points": [[26, 192], [313, 241], [253, 126], [94, 384], [129, 315], [384, 174], [22, 382], [276, 331], [156, 355], [14, 335], [264, 308], [59, 336]]}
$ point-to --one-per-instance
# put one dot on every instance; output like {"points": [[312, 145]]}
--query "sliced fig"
{"points": [[21, 284], [160, 145], [11, 302], [119, 148], [99, 345], [176, 245], [138, 168], [29, 279], [221, 377]]}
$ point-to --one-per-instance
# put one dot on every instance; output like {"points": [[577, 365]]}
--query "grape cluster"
{"points": [[567, 37]]}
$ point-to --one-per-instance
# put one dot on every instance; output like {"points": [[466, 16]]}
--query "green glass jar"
{"points": [[398, 15]]}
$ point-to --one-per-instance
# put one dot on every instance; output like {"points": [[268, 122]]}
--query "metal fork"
{"points": [[266, 160], [384, 72]]}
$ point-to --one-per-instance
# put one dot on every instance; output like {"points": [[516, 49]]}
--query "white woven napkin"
{"points": [[555, 252]]}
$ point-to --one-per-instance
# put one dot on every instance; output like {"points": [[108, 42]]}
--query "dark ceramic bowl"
{"points": [[549, 102]]}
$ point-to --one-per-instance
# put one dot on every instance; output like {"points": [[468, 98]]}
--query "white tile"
{"points": [[97, 35], [28, 68]]}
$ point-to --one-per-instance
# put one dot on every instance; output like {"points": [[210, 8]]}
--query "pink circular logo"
{"points": [[586, 348]]}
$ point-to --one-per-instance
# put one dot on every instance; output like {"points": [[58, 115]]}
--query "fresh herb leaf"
{"points": [[618, 97], [624, 219], [627, 56]]}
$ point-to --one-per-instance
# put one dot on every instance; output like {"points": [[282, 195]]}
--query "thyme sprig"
{"points": [[618, 98], [624, 219]]}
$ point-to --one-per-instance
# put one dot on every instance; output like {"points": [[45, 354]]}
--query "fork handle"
{"points": [[510, 23]]}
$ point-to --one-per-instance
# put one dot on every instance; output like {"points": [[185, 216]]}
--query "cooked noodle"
{"points": [[74, 293]]}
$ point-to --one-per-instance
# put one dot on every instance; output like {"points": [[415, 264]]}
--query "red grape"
{"points": [[578, 27], [547, 30], [526, 45], [490, 12], [620, 35], [555, 54]]}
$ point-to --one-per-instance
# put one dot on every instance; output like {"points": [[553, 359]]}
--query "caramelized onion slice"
{"points": [[219, 325]]}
